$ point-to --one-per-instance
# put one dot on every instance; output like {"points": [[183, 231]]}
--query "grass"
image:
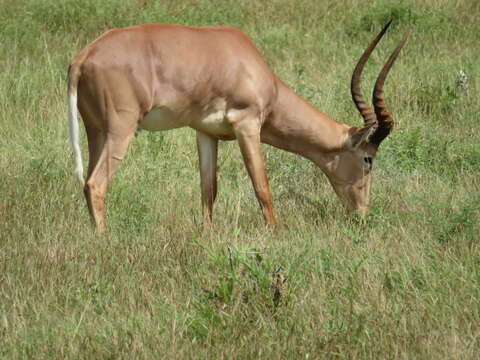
{"points": [[404, 283]]}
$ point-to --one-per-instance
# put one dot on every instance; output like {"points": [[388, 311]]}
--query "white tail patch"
{"points": [[74, 135]]}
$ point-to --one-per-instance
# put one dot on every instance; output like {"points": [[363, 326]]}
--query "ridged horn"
{"points": [[384, 118], [365, 110]]}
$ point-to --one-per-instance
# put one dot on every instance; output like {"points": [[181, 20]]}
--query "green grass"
{"points": [[404, 283]]}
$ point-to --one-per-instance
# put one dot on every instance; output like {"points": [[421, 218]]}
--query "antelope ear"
{"points": [[357, 136]]}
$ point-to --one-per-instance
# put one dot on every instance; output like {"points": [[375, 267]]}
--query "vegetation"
{"points": [[403, 283]]}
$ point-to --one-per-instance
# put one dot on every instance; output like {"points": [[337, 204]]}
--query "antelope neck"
{"points": [[296, 126]]}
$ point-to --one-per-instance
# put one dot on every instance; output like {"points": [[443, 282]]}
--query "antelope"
{"points": [[214, 80]]}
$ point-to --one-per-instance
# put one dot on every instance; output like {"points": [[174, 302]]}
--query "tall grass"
{"points": [[402, 284]]}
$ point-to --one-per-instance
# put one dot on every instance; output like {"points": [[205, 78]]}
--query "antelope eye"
{"points": [[368, 160]]}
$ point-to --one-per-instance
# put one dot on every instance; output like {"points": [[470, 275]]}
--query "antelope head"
{"points": [[349, 169]]}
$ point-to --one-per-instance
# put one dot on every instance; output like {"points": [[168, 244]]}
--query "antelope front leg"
{"points": [[247, 132], [207, 153]]}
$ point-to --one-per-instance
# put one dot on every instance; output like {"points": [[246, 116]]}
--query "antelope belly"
{"points": [[161, 118], [213, 120]]}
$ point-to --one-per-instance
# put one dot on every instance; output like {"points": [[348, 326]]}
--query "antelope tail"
{"points": [[73, 77]]}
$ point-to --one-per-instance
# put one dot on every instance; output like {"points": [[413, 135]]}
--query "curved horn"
{"points": [[365, 110], [384, 118]]}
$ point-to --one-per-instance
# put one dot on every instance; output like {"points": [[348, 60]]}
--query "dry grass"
{"points": [[402, 284]]}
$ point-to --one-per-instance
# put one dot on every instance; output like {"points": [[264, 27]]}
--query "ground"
{"points": [[402, 283]]}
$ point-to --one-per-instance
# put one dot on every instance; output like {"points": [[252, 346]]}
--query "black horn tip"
{"points": [[386, 26]]}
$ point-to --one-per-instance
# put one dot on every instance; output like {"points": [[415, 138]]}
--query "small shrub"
{"points": [[449, 224], [247, 286]]}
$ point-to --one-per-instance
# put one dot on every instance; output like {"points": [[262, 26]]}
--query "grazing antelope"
{"points": [[214, 80]]}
